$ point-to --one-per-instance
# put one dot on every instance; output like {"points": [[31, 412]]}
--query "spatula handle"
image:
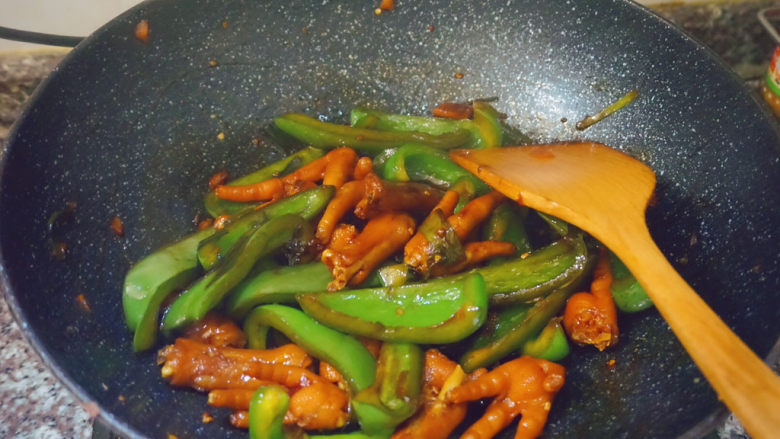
{"points": [[743, 382]]}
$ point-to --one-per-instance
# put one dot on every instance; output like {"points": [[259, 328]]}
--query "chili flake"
{"points": [[218, 179], [387, 5], [142, 31], [82, 301], [117, 227]]}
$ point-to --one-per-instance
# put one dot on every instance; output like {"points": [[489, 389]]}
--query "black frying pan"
{"points": [[130, 129]]}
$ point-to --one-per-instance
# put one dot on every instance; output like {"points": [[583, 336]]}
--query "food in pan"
{"points": [[368, 286]]}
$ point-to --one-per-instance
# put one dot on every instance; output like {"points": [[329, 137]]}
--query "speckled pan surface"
{"points": [[131, 129]]}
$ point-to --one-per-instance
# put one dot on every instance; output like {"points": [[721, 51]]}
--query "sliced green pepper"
{"points": [[629, 296], [307, 204], [488, 119], [216, 206], [152, 279], [425, 164], [328, 135], [206, 293], [441, 311], [525, 279], [506, 223], [277, 285], [379, 120], [266, 412], [513, 136], [395, 394], [493, 343], [509, 135], [342, 351], [551, 344]]}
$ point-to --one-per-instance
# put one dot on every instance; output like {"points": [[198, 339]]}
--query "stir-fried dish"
{"points": [[366, 286]]}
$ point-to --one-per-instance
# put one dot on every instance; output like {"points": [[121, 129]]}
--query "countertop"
{"points": [[36, 405]]}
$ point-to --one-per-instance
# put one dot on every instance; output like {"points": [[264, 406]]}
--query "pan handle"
{"points": [[39, 38]]}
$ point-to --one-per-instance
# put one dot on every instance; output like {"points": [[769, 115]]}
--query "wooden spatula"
{"points": [[605, 193]]}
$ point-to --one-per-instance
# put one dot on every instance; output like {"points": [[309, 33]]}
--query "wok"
{"points": [[130, 129]]}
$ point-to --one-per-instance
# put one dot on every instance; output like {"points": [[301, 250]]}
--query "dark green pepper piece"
{"points": [[379, 120], [441, 311], [206, 293], [395, 394], [216, 206], [421, 163], [506, 224], [551, 344], [488, 119], [513, 136], [492, 344], [328, 135], [267, 408], [525, 279], [342, 351], [306, 204], [152, 279], [558, 226], [490, 347], [628, 295]]}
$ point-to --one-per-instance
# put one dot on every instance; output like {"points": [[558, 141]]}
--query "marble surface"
{"points": [[36, 405]]}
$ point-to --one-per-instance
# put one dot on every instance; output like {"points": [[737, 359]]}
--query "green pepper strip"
{"points": [[282, 284], [216, 206], [328, 135], [307, 204], [422, 163], [342, 351], [506, 224], [441, 311], [395, 394], [207, 292], [524, 279], [379, 120], [152, 279], [488, 119], [490, 348], [629, 296], [551, 344], [266, 412], [277, 285], [493, 344], [513, 136]]}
